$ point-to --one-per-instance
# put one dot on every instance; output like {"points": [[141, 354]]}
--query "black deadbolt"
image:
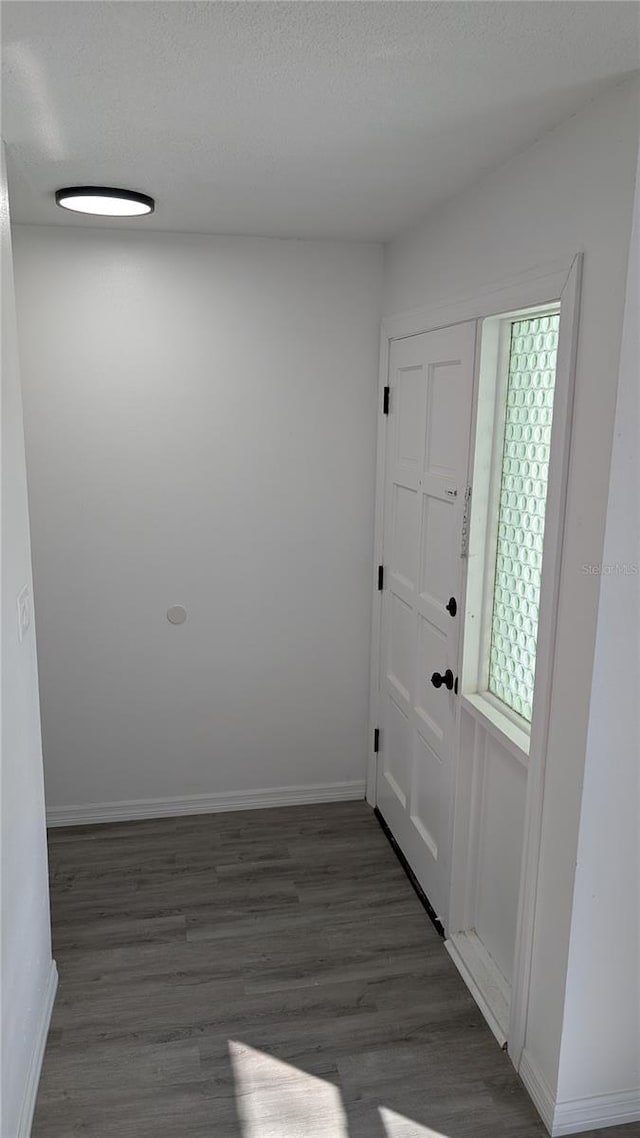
{"points": [[447, 679], [452, 607]]}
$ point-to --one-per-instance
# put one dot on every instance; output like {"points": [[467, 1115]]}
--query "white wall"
{"points": [[200, 418], [28, 973], [572, 191], [601, 1035]]}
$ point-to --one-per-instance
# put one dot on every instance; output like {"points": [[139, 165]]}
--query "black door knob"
{"points": [[452, 607], [447, 679]]}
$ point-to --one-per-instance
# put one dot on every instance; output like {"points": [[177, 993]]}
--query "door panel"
{"points": [[432, 646], [408, 421], [397, 757], [403, 552], [429, 802], [437, 540], [400, 645], [442, 442], [431, 382]]}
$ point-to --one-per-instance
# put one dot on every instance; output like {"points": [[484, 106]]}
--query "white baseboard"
{"points": [[576, 1115], [35, 1066], [89, 813], [596, 1111], [538, 1088], [483, 979]]}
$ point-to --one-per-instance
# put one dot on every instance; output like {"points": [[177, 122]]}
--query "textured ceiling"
{"points": [[291, 119]]}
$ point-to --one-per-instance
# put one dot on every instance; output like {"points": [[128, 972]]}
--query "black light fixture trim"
{"points": [[105, 192]]}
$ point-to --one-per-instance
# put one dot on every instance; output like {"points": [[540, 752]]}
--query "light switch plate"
{"points": [[24, 612]]}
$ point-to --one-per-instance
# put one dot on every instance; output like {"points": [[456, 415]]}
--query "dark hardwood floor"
{"points": [[267, 974]]}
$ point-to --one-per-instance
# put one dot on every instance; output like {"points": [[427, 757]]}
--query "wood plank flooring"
{"points": [[267, 974]]}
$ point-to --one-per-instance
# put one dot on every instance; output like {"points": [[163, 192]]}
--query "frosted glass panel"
{"points": [[523, 494]]}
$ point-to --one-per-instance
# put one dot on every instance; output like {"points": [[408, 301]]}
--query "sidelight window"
{"points": [[522, 493]]}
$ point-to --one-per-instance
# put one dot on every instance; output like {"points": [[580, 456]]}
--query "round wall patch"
{"points": [[177, 614]]}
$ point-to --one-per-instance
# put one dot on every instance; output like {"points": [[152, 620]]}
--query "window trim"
{"points": [[495, 447], [492, 714]]}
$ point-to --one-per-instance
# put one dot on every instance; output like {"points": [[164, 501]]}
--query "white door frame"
{"points": [[552, 281]]}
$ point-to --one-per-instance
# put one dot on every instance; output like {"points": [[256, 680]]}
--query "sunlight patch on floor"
{"points": [[276, 1100], [397, 1126]]}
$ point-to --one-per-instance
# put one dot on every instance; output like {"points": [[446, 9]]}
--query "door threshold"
{"points": [[420, 893]]}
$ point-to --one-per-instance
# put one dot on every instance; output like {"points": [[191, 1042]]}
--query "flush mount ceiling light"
{"points": [[104, 201]]}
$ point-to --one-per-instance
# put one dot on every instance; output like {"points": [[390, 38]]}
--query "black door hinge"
{"points": [[385, 401], [376, 740], [380, 578]]}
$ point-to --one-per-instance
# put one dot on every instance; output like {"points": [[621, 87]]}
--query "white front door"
{"points": [[431, 384]]}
